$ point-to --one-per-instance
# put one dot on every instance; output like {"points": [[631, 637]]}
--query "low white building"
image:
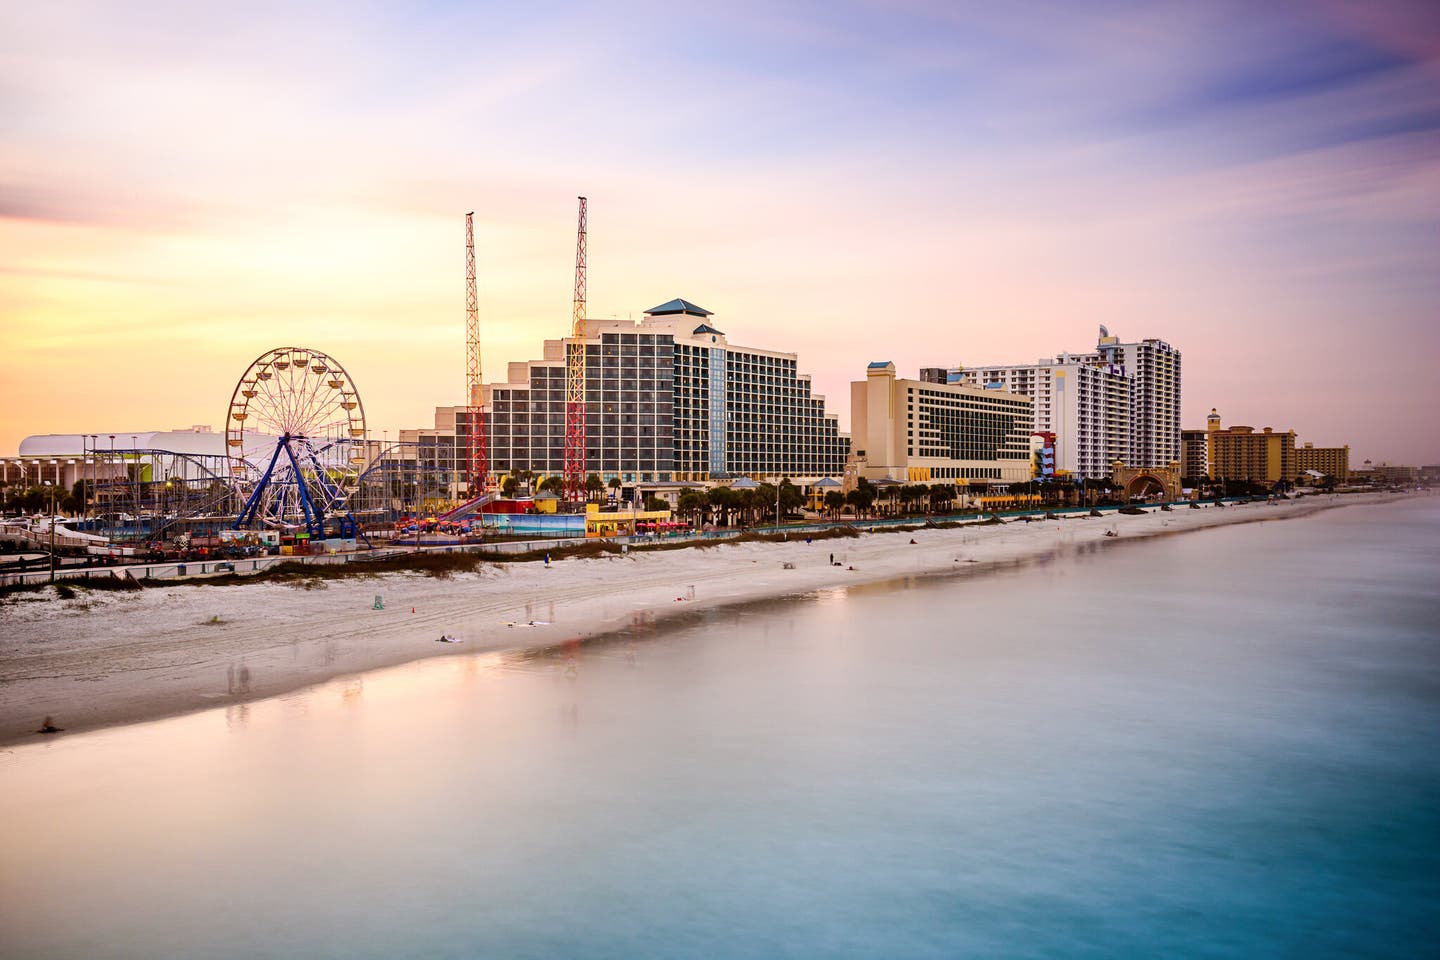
{"points": [[67, 458]]}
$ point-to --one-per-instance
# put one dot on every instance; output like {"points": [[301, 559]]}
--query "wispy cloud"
{"points": [[979, 179]]}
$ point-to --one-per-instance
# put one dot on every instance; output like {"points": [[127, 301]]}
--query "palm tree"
{"points": [[866, 495], [834, 502], [941, 494], [790, 497], [908, 494], [691, 503], [722, 500], [594, 486]]}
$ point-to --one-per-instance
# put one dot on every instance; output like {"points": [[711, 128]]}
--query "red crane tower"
{"points": [[575, 380], [479, 460]]}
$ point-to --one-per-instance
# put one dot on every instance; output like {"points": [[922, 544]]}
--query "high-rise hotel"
{"points": [[667, 399], [1119, 402]]}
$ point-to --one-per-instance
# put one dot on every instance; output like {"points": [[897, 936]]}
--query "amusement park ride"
{"points": [[477, 456], [298, 452], [298, 458], [296, 440], [295, 435], [575, 379]]}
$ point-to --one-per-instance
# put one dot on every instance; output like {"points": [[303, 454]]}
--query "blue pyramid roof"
{"points": [[705, 328], [677, 306]]}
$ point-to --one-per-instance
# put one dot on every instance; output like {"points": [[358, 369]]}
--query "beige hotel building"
{"points": [[914, 431]]}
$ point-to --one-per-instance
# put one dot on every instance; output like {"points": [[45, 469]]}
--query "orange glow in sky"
{"points": [[182, 189]]}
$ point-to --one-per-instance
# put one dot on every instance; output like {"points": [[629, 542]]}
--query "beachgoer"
{"points": [[832, 559], [49, 726]]}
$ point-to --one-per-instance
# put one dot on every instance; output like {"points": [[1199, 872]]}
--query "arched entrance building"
{"points": [[1147, 482]]}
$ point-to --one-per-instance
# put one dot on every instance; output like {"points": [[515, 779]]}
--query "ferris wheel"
{"points": [[296, 440]]}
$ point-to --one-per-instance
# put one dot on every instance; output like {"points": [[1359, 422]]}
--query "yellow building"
{"points": [[1333, 462], [1239, 453], [618, 523]]}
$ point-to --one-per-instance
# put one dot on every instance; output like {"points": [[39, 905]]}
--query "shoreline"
{"points": [[105, 659]]}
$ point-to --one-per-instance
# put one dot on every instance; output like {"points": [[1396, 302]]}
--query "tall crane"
{"points": [[575, 380], [478, 457]]}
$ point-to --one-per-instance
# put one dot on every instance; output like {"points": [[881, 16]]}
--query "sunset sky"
{"points": [[184, 186]]}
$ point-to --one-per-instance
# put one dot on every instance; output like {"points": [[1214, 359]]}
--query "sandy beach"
{"points": [[116, 657]]}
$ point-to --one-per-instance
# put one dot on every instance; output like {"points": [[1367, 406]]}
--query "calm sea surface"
{"points": [[1221, 744]]}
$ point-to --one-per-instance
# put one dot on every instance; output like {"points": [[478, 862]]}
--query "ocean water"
{"points": [[1217, 744]]}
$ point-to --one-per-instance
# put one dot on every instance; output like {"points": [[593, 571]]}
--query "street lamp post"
{"points": [[135, 482], [110, 468], [52, 530], [415, 506], [94, 473]]}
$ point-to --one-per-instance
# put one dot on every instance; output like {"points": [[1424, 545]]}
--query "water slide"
{"points": [[470, 507]]}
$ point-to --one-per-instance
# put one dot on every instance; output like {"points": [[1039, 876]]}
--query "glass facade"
{"points": [[717, 410]]}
